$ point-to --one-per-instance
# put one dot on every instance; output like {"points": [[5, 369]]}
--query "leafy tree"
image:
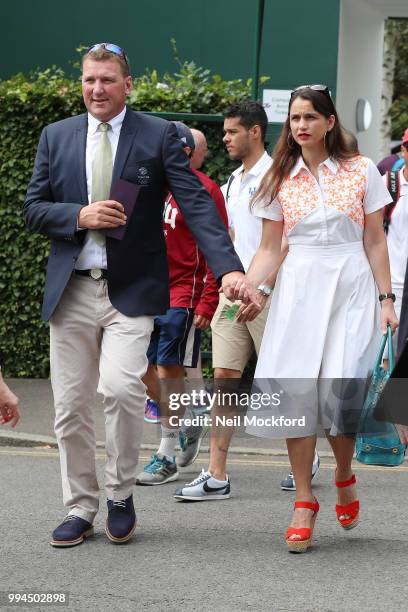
{"points": [[399, 108]]}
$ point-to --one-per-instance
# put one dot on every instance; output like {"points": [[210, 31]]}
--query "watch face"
{"points": [[266, 291], [387, 296], [96, 273]]}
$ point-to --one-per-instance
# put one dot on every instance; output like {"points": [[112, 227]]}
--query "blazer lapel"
{"points": [[126, 138], [81, 133]]}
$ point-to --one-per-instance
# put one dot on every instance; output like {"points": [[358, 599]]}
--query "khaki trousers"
{"points": [[92, 342], [233, 342]]}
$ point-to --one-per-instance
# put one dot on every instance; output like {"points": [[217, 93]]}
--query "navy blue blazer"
{"points": [[137, 272]]}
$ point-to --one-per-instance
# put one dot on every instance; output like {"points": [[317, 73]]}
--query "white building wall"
{"points": [[359, 73]]}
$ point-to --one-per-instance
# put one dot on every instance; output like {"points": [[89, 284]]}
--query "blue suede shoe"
{"points": [[72, 531], [121, 521]]}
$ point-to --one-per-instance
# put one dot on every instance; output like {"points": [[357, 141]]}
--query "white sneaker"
{"points": [[204, 488]]}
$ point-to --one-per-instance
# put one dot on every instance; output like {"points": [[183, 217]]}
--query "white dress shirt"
{"points": [[92, 254]]}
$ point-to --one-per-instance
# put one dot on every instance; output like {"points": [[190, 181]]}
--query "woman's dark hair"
{"points": [[287, 151]]}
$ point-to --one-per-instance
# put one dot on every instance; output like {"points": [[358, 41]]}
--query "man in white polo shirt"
{"points": [[233, 342]]}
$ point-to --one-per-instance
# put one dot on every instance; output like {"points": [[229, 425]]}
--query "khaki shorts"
{"points": [[233, 342]]}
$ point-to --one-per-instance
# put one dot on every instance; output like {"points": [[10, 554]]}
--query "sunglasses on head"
{"points": [[322, 88], [112, 48]]}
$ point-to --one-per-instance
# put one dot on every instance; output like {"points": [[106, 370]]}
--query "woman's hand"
{"points": [[388, 316], [249, 312]]}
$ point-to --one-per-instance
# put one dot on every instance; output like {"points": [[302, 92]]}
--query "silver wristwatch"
{"points": [[264, 290]]}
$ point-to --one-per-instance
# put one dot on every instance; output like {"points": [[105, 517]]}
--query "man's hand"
{"points": [[235, 286], [201, 322], [9, 406], [102, 215]]}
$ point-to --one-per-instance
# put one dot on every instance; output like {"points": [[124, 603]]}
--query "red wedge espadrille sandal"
{"points": [[348, 514], [299, 539]]}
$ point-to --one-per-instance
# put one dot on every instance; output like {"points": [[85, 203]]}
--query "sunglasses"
{"points": [[322, 88], [112, 48]]}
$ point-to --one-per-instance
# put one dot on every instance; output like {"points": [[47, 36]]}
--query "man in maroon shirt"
{"points": [[175, 341]]}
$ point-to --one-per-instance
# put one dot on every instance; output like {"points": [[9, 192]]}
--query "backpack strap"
{"points": [[230, 180], [393, 186], [398, 164]]}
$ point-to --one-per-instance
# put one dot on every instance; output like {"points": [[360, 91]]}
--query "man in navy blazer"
{"points": [[101, 293]]}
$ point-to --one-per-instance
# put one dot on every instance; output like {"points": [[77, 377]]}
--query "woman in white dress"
{"points": [[325, 317]]}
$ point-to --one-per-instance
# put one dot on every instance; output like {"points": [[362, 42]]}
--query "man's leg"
{"points": [[74, 342], [171, 379], [123, 364], [232, 346], [151, 380], [152, 409], [175, 339], [195, 381], [221, 436]]}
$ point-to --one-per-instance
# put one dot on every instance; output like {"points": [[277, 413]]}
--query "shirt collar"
{"points": [[263, 161], [330, 163], [257, 168], [300, 164], [115, 123]]}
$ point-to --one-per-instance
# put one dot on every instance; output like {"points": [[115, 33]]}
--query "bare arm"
{"points": [[266, 261], [265, 264], [375, 246]]}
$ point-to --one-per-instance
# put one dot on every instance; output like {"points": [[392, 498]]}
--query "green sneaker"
{"points": [[190, 439], [159, 471]]}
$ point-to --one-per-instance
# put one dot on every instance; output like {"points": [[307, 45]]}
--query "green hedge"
{"points": [[399, 109], [27, 104]]}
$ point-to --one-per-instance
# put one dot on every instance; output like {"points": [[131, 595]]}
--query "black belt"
{"points": [[96, 274]]}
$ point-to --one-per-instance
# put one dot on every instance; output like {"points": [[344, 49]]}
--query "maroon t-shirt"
{"points": [[192, 284]]}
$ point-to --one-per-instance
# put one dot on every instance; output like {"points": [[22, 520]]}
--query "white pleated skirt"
{"points": [[320, 341]]}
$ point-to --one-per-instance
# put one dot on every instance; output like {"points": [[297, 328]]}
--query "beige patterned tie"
{"points": [[101, 174]]}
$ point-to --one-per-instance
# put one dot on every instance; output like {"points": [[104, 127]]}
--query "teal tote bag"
{"points": [[378, 442]]}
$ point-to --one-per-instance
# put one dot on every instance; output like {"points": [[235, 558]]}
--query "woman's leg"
{"points": [[301, 453], [343, 450]]}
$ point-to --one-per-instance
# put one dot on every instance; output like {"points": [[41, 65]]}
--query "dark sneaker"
{"points": [[288, 483], [190, 439], [121, 521], [204, 488], [159, 471], [72, 531], [152, 412]]}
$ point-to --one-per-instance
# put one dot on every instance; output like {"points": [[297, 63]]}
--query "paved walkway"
{"points": [[227, 556]]}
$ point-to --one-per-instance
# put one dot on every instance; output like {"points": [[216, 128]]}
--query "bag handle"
{"points": [[391, 358], [386, 339]]}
